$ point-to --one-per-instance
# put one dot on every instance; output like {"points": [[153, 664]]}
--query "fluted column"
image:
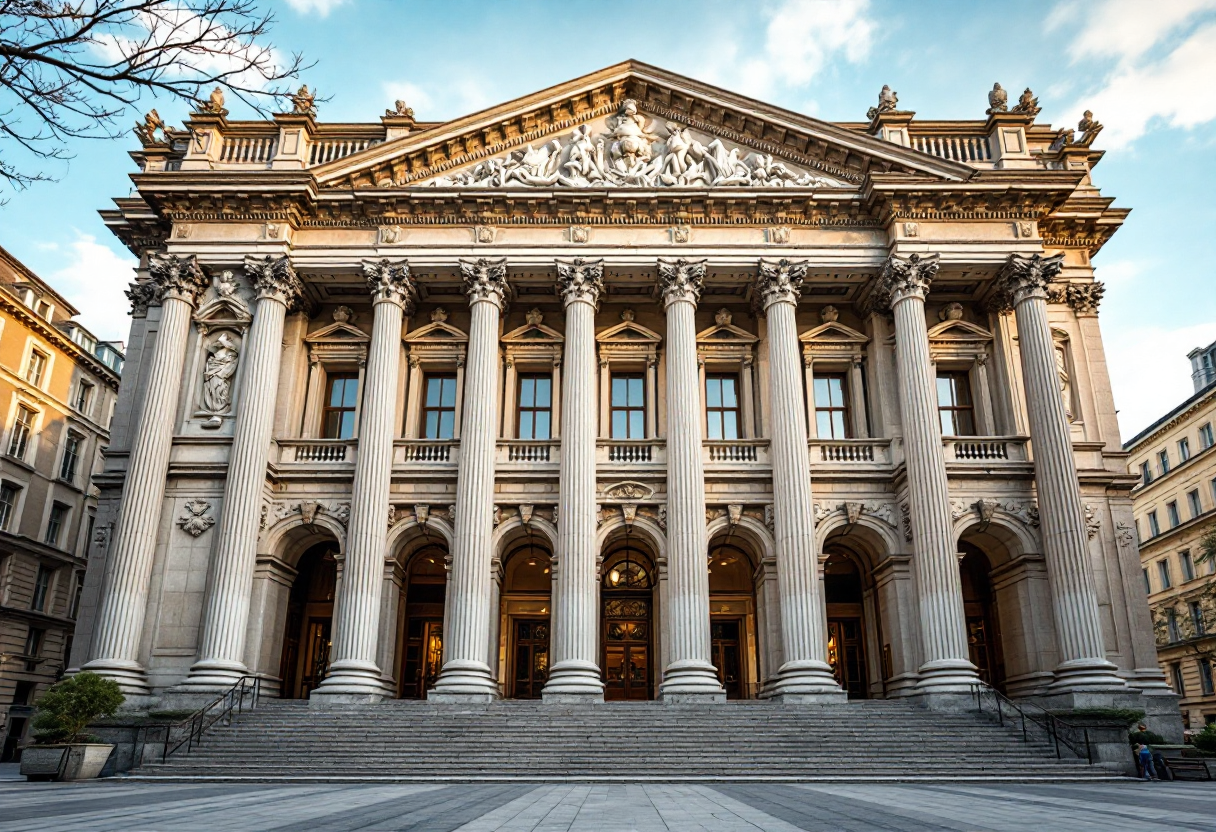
{"points": [[575, 675], [222, 648], [178, 282], [353, 673], [466, 676], [806, 674], [1074, 598], [946, 667], [689, 674]]}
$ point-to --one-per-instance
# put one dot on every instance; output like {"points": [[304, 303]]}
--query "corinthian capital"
{"points": [[178, 278], [905, 278], [485, 280], [141, 295], [273, 277], [580, 280], [1025, 277], [780, 281], [390, 282], [681, 280]]}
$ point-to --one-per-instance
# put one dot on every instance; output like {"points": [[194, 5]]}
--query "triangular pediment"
{"points": [[338, 332], [628, 332], [959, 331], [437, 331], [534, 332], [725, 333], [632, 125], [223, 311], [833, 332]]}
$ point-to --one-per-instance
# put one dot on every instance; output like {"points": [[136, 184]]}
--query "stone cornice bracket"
{"points": [[681, 280], [580, 280], [1024, 277], [780, 281], [1082, 297], [273, 277], [485, 280], [390, 282], [904, 278], [141, 295], [179, 278]]}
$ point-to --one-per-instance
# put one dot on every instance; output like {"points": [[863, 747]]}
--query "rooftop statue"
{"points": [[400, 110], [888, 102], [303, 103], [1027, 104], [148, 128], [212, 104], [998, 100]]}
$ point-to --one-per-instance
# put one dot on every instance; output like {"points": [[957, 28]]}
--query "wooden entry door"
{"points": [[423, 656], [847, 656], [726, 635], [316, 653], [626, 649], [530, 656]]}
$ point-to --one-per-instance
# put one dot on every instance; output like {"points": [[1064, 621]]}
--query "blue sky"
{"points": [[1146, 67]]}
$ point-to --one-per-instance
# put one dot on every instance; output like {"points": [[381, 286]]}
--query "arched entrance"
{"points": [[626, 627], [732, 619], [844, 598], [983, 620], [308, 630], [425, 590], [527, 583]]}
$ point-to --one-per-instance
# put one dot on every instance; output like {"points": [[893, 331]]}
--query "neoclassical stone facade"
{"points": [[631, 388]]}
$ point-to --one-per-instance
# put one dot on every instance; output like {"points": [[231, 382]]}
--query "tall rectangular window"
{"points": [[1171, 621], [1188, 566], [8, 504], [1197, 620], [35, 368], [84, 396], [1154, 527], [628, 406], [954, 404], [1146, 473], [1184, 450], [722, 406], [74, 609], [1163, 462], [1206, 438], [1148, 586], [1205, 677], [1196, 504], [42, 583], [55, 524], [1171, 509], [33, 642], [71, 456], [831, 408], [341, 399], [439, 407], [1163, 572], [1176, 679], [23, 428], [535, 406]]}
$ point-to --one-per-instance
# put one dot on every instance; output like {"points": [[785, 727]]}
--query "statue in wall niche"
{"points": [[1065, 383], [222, 357]]}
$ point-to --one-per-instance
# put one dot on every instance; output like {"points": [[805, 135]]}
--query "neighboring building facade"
{"points": [[523, 404], [58, 388], [1175, 504]]}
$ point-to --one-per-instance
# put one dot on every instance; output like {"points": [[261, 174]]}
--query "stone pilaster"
{"points": [[689, 674], [353, 672], [1022, 285], [946, 667], [575, 674], [222, 647], [466, 675], [115, 650], [806, 674]]}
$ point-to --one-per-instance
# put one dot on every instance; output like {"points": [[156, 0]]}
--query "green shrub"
{"points": [[1128, 715], [67, 708], [1146, 737], [1205, 740]]}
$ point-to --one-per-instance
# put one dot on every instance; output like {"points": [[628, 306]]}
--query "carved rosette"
{"points": [[388, 281], [580, 280], [681, 280], [273, 277], [905, 278], [485, 280], [1025, 277], [780, 281], [177, 278], [141, 295]]}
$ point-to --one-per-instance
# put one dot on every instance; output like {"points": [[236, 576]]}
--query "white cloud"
{"points": [[1123, 28], [93, 280], [321, 8], [1149, 371], [456, 98]]}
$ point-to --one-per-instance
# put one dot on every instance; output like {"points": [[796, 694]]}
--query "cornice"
{"points": [[62, 342], [1204, 398]]}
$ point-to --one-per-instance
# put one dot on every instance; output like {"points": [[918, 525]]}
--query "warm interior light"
{"points": [[531, 561], [615, 577], [546, 572]]}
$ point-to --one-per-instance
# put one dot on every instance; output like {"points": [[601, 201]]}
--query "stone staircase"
{"points": [[644, 741]]}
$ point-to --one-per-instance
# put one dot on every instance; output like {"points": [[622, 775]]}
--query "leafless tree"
{"points": [[72, 69]]}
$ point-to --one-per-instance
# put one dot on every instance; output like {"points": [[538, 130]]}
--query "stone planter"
{"points": [[78, 761]]}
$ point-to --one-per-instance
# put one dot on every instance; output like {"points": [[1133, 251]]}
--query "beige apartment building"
{"points": [[1175, 504], [58, 387]]}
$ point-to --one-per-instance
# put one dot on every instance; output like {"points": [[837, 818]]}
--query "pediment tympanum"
{"points": [[724, 339], [832, 339], [339, 341]]}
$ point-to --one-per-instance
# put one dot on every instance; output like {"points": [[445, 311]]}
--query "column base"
{"points": [[691, 681], [807, 681], [211, 676], [573, 682], [464, 681], [350, 682], [947, 676], [1082, 675], [131, 677]]}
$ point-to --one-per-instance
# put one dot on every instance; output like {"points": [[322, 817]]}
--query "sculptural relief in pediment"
{"points": [[629, 149]]}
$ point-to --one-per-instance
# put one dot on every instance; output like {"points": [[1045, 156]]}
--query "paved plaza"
{"points": [[181, 807]]}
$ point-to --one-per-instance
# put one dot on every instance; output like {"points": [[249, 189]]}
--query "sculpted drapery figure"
{"points": [[222, 358]]}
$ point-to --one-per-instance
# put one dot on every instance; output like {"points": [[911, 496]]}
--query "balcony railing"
{"points": [[631, 451], [736, 450], [528, 450], [955, 148], [317, 451], [410, 451], [248, 150], [985, 449], [851, 451]]}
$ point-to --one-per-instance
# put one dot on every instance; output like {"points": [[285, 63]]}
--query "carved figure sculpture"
{"points": [[998, 100], [213, 105], [303, 103], [1089, 127], [1027, 104], [630, 147], [147, 130], [400, 110], [222, 358], [888, 102], [1065, 382]]}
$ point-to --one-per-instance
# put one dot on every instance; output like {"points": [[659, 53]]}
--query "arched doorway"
{"points": [[425, 590], [527, 588], [308, 631], [627, 634], [844, 598], [732, 617], [983, 621]]}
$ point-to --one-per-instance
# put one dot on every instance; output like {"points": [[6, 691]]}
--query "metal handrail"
{"points": [[1057, 732], [219, 708]]}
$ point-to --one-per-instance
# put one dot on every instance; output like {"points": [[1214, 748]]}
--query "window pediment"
{"points": [[833, 339], [437, 341], [628, 339], [223, 312], [724, 339], [338, 342], [956, 338]]}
